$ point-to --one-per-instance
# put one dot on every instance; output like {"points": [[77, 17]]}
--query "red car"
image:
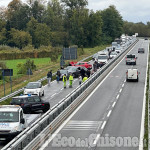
{"points": [[83, 64]]}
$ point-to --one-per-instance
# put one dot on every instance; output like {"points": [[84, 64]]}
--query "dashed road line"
{"points": [[122, 85], [96, 139], [120, 91], [53, 94], [103, 125], [117, 96], [109, 113], [113, 104]]}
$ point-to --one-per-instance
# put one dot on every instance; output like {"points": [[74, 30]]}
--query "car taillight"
{"points": [[127, 73], [137, 72], [126, 58], [22, 104], [43, 104]]}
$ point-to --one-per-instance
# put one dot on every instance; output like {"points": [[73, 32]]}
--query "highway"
{"points": [[112, 111]]}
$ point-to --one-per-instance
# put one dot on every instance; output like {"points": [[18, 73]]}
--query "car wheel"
{"points": [[46, 108], [137, 79], [43, 93], [135, 63]]}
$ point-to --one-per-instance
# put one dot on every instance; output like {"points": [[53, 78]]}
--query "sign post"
{"points": [[7, 72]]}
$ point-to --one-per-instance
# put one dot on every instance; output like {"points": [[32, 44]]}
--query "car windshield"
{"points": [[33, 85], [102, 57], [9, 117], [72, 69], [17, 100], [63, 71], [130, 56]]}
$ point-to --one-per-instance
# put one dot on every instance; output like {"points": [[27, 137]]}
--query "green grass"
{"points": [[39, 62]]}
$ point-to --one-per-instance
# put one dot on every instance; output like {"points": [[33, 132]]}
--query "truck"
{"points": [[13, 121]]}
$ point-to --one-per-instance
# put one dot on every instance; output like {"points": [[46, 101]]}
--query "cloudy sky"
{"points": [[130, 10]]}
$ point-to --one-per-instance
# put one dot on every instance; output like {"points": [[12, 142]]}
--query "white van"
{"points": [[13, 121], [102, 59], [132, 74]]}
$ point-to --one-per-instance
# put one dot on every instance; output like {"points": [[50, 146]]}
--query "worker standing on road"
{"points": [[64, 80], [85, 78], [70, 80], [80, 79]]}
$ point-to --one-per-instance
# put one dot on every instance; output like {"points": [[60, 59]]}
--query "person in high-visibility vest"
{"points": [[84, 79], [70, 80], [64, 80]]}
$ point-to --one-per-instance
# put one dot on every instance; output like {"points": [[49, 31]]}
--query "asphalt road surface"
{"points": [[110, 114]]}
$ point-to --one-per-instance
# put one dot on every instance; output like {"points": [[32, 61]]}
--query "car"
{"points": [[113, 54], [146, 38], [141, 50], [103, 59], [74, 70], [34, 88], [84, 64], [30, 103], [132, 75], [62, 72], [131, 59]]}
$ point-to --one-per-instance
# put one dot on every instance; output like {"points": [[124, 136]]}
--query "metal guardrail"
{"points": [[34, 135]]}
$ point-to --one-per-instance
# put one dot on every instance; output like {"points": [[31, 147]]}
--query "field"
{"points": [[39, 62]]}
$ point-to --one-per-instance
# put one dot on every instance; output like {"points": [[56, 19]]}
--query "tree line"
{"points": [[61, 23], [58, 23]]}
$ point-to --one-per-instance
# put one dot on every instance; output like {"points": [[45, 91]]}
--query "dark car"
{"points": [[30, 103], [141, 50]]}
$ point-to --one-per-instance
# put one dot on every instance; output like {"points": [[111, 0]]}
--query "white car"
{"points": [[113, 54], [132, 74], [34, 88], [118, 49]]}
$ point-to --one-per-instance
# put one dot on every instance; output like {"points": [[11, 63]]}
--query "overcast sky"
{"points": [[130, 10]]}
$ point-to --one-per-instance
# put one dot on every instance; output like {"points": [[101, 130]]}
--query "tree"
{"points": [[94, 29], [41, 33], [19, 39], [112, 23]]}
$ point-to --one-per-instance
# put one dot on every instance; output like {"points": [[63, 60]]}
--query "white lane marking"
{"points": [[122, 85], [117, 96], [124, 80], [103, 125], [96, 139], [53, 94], [61, 89], [120, 90], [65, 122], [109, 113], [114, 104], [143, 109]]}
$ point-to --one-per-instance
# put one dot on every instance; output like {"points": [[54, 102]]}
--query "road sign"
{"points": [[69, 53], [7, 72]]}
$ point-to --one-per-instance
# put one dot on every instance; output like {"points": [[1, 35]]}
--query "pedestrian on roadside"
{"points": [[82, 72], [70, 80], [88, 73], [80, 79], [49, 77], [58, 75], [85, 78], [64, 80]]}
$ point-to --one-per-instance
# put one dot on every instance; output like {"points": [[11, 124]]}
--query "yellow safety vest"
{"points": [[70, 78], [84, 79]]}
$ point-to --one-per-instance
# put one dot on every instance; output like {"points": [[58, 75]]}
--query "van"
{"points": [[131, 59], [132, 75]]}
